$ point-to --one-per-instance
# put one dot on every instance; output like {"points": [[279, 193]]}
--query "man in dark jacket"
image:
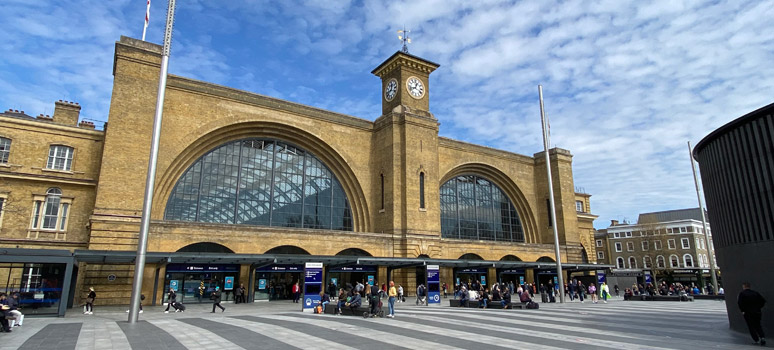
{"points": [[215, 296], [750, 303]]}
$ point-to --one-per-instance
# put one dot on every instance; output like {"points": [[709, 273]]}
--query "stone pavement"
{"points": [[280, 325]]}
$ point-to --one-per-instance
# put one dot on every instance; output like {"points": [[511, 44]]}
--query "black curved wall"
{"points": [[737, 171]]}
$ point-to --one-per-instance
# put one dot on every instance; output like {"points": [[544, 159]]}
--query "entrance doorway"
{"points": [[195, 283], [275, 282]]}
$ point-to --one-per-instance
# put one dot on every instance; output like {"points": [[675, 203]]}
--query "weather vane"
{"points": [[404, 36]]}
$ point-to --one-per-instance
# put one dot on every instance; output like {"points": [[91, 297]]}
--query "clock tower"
{"points": [[405, 80]]}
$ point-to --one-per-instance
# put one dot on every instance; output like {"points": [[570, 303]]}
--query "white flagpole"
{"points": [[546, 141], [710, 252], [147, 17], [142, 240]]}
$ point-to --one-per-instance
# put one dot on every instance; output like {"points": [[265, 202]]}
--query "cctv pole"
{"points": [[142, 241], [710, 251], [546, 137]]}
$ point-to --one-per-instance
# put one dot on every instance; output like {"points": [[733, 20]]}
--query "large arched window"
{"points": [[660, 264], [673, 261], [687, 260], [620, 263], [647, 262], [474, 208], [632, 262], [260, 182]]}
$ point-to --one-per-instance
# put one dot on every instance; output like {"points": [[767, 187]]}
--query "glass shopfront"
{"points": [[196, 282], [352, 275], [469, 275], [39, 286], [275, 282]]}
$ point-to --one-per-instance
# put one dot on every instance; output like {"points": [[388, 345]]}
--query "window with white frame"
{"points": [[579, 206], [657, 245], [5, 150], [671, 244], [60, 158], [686, 243], [632, 262], [647, 262], [628, 234], [630, 246], [674, 261], [645, 245], [618, 247], [600, 255], [2, 208], [683, 229], [50, 212], [599, 243], [620, 263], [706, 260], [660, 264], [687, 260], [617, 234], [703, 246], [698, 243]]}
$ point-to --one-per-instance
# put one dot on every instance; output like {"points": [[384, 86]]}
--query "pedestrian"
{"points": [[90, 302], [604, 291], [392, 294], [239, 294], [296, 292], [5, 313], [215, 296], [571, 290], [616, 290], [420, 294], [593, 292], [171, 301], [750, 303], [401, 298], [445, 288], [13, 303], [325, 299]]}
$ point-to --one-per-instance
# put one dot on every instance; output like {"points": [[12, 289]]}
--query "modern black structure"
{"points": [[737, 170]]}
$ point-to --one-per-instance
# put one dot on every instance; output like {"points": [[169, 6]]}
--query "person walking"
{"points": [[400, 294], [593, 292], [171, 301], [420, 294], [604, 292], [392, 293], [239, 294], [215, 296], [90, 302], [750, 303]]}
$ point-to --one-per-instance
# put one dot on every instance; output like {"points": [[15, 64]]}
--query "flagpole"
{"points": [[710, 252], [546, 142], [142, 241], [147, 17]]}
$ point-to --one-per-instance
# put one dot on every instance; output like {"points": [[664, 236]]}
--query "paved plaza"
{"points": [[279, 325]]}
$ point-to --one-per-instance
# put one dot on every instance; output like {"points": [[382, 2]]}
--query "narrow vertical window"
{"points": [[36, 214], [381, 176], [422, 190], [5, 149], [548, 210]]}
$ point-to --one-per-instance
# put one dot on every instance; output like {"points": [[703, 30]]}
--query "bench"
{"points": [[331, 310], [709, 297], [490, 305], [470, 303], [660, 298]]}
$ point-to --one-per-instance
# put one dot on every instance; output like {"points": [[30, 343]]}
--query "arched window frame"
{"points": [[674, 261], [50, 213], [632, 262], [620, 263], [288, 192], [475, 208], [647, 262], [688, 260], [660, 262]]}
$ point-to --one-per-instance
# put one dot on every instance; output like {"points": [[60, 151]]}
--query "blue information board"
{"points": [[262, 284], [433, 285], [648, 278], [335, 281], [483, 280], [521, 280], [312, 285], [173, 284], [228, 283], [601, 277], [370, 280]]}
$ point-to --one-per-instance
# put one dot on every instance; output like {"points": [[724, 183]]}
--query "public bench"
{"points": [[491, 305], [345, 310], [661, 297], [709, 297]]}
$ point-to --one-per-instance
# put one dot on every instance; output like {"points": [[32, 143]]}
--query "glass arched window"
{"points": [[260, 182], [674, 261], [620, 263], [687, 260], [660, 263], [49, 212], [632, 262], [647, 262], [474, 208]]}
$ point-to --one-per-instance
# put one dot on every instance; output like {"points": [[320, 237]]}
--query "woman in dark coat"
{"points": [[171, 301], [215, 296]]}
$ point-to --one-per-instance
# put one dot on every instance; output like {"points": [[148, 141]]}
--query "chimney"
{"points": [[45, 118], [86, 125], [66, 112], [613, 222]]}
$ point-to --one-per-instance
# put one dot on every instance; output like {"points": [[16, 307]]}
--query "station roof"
{"points": [[128, 257]]}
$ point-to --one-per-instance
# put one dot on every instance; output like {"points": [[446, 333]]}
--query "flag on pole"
{"points": [[147, 16]]}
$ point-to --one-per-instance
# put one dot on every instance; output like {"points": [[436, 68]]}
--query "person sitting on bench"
{"points": [[483, 299], [354, 302], [463, 296], [524, 298], [506, 298]]}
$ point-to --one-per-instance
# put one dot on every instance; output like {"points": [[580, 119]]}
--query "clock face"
{"points": [[391, 89], [415, 87]]}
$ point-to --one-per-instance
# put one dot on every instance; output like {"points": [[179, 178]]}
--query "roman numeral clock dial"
{"points": [[391, 89], [415, 87]]}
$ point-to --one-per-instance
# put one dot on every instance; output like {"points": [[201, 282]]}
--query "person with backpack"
{"points": [[420, 294]]}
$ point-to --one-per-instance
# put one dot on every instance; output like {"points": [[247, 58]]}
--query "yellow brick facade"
{"points": [[108, 180]]}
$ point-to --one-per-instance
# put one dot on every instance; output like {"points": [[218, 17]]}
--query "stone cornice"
{"points": [[470, 147], [406, 60]]}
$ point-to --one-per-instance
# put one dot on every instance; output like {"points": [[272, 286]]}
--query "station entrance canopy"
{"points": [[258, 260]]}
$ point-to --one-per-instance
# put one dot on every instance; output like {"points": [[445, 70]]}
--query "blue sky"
{"points": [[626, 84]]}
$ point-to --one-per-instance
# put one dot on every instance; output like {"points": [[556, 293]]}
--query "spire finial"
{"points": [[403, 35]]}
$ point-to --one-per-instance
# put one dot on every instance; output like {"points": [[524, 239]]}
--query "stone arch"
{"points": [[287, 249], [205, 247], [470, 256], [270, 130], [510, 257], [353, 252], [504, 182], [546, 259], [584, 255]]}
